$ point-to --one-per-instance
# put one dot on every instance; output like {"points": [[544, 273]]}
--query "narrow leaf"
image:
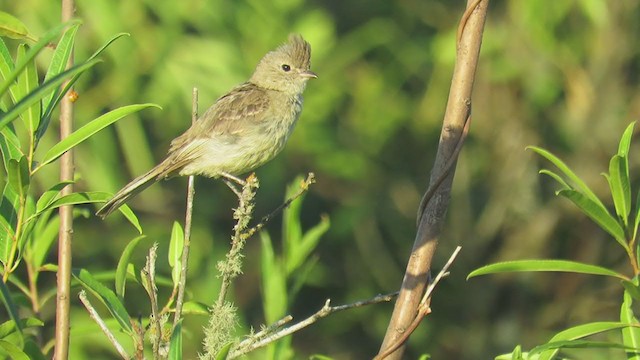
{"points": [[18, 176], [14, 352], [274, 285], [88, 130], [123, 266], [176, 246], [26, 83], [630, 335], [41, 91], [224, 351], [35, 49], [625, 140], [544, 265], [195, 308], [108, 298], [578, 332], [76, 199], [9, 145], [307, 244], [60, 58], [556, 177], [10, 306], [11, 27], [175, 345], [579, 184], [620, 188], [50, 195], [598, 213]]}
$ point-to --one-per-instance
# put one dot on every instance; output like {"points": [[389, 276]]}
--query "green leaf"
{"points": [[42, 91], [544, 265], [131, 216], [43, 240], [630, 335], [598, 213], [9, 204], [625, 141], [108, 298], [620, 188], [299, 254], [76, 198], [13, 351], [10, 306], [577, 344], [578, 332], [123, 265], [274, 282], [49, 196], [35, 49], [60, 94], [195, 308], [176, 246], [224, 351], [25, 84], [18, 174], [556, 177], [579, 184], [88, 130], [636, 222], [175, 345], [631, 288], [11, 27], [9, 146]]}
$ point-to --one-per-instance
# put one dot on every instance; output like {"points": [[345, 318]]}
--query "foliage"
{"points": [[621, 226]]}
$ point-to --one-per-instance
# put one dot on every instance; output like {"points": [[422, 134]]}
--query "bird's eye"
{"points": [[286, 67]]}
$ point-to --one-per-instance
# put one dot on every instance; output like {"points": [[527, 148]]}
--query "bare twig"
{"points": [[103, 326], [424, 308], [266, 336], [191, 190], [65, 233], [432, 217], [149, 273]]}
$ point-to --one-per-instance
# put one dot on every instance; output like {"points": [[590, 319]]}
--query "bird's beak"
{"points": [[308, 74]]}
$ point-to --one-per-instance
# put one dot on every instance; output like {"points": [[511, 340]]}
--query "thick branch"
{"points": [[456, 116]]}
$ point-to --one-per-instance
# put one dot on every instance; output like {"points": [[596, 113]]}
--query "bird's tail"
{"points": [[132, 189]]}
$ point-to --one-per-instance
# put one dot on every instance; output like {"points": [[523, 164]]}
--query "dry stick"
{"points": [[191, 190], [149, 272], [424, 308], [249, 345], [63, 292], [103, 326], [458, 110]]}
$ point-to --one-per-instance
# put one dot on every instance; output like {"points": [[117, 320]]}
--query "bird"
{"points": [[242, 130]]}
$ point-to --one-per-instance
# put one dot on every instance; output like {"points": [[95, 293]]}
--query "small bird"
{"points": [[242, 130]]}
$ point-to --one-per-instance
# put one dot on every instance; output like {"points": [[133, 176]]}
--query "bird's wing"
{"points": [[228, 116]]}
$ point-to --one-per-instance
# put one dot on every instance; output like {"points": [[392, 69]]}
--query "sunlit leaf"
{"points": [[544, 265], [598, 213], [106, 296], [26, 83], [13, 351], [41, 91], [12, 28], [175, 345], [49, 196], [10, 306], [224, 351], [630, 335], [88, 130], [123, 266], [176, 246], [195, 308], [18, 174], [579, 332], [274, 283], [577, 182], [619, 185], [9, 145]]}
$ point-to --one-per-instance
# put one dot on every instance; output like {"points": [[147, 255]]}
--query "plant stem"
{"points": [[65, 233], [191, 190]]}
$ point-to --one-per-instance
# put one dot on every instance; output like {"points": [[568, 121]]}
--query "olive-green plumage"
{"points": [[242, 130]]}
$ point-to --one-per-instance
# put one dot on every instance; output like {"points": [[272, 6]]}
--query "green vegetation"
{"points": [[560, 75]]}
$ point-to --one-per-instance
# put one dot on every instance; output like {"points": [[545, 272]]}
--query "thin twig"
{"points": [[149, 273], [65, 233], [304, 186], [266, 338], [424, 308], [103, 326], [191, 190]]}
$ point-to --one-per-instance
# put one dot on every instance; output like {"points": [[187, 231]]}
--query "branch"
{"points": [[267, 335], [191, 190], [436, 200], [103, 326]]}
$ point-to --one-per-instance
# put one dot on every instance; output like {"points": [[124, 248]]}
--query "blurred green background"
{"points": [[560, 74]]}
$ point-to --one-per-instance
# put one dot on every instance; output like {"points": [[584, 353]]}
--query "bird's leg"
{"points": [[232, 186]]}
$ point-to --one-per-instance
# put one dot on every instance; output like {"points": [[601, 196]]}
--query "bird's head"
{"points": [[286, 68]]}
